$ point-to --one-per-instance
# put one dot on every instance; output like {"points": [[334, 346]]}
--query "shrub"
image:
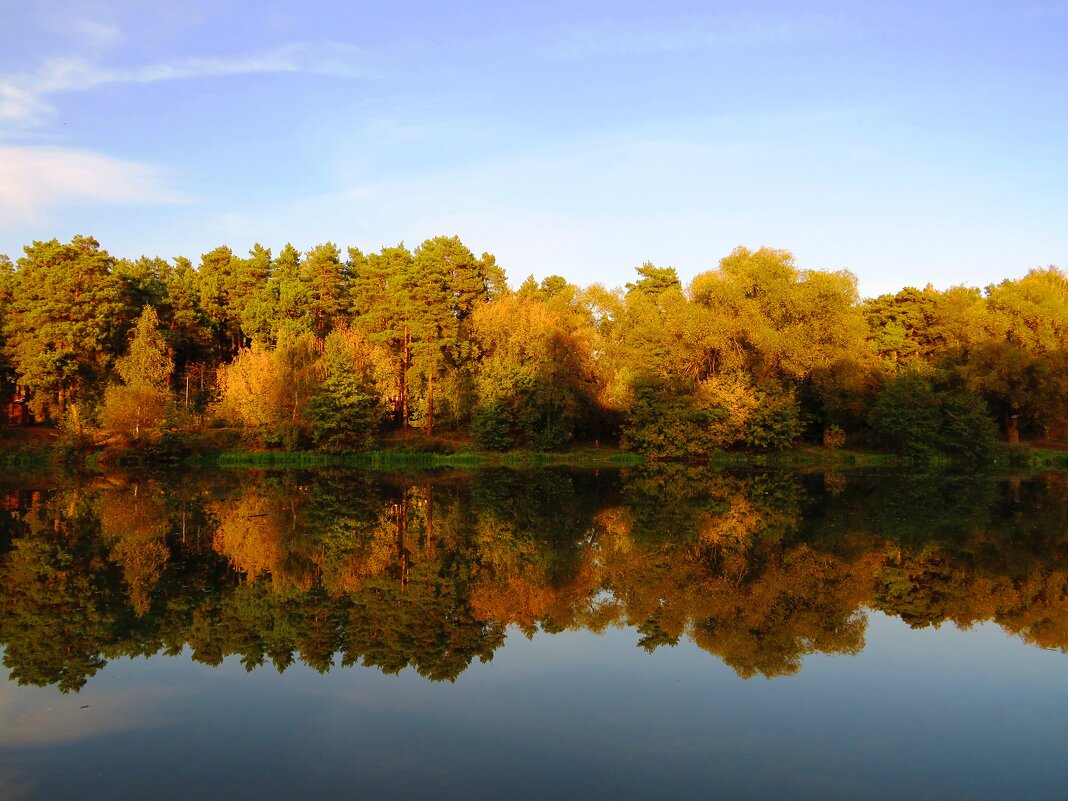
{"points": [[546, 415], [775, 423], [667, 420], [833, 437], [133, 411], [923, 418], [492, 427]]}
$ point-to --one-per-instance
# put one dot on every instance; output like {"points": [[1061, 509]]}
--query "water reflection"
{"points": [[429, 571]]}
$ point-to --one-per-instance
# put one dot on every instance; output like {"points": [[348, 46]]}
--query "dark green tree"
{"points": [[257, 294], [655, 280], [347, 410], [381, 302], [923, 417], [289, 292], [217, 279], [326, 282], [447, 284], [63, 322]]}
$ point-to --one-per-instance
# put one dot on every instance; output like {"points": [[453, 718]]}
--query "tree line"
{"points": [[332, 349]]}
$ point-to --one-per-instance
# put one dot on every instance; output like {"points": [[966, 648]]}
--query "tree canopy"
{"points": [[756, 353]]}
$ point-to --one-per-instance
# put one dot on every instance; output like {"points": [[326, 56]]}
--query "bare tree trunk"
{"points": [[1012, 426], [76, 418], [430, 406], [406, 362]]}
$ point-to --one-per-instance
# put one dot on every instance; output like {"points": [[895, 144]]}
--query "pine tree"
{"points": [[217, 277], [290, 293], [348, 408], [326, 282], [63, 321], [447, 283], [255, 294], [147, 361], [380, 296]]}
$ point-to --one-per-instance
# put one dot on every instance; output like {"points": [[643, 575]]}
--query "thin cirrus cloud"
{"points": [[33, 179], [638, 37], [24, 99], [88, 35]]}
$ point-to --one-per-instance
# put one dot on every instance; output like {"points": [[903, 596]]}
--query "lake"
{"points": [[669, 631]]}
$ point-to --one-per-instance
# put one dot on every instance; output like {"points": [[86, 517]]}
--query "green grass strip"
{"points": [[403, 459]]}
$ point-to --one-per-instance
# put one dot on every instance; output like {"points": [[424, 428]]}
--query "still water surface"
{"points": [[676, 632]]}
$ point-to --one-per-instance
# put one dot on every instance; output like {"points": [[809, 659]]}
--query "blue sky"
{"points": [[909, 142]]}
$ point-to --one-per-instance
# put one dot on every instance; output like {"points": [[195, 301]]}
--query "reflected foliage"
{"points": [[431, 571]]}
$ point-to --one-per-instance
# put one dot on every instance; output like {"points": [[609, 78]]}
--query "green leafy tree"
{"points": [[775, 421], [380, 292], [655, 281], [492, 427], [142, 284], [776, 321], [348, 407], [61, 326], [669, 419], [326, 282], [257, 294], [148, 360], [923, 418], [914, 328], [185, 325], [218, 276], [446, 285], [642, 337], [727, 361], [290, 294]]}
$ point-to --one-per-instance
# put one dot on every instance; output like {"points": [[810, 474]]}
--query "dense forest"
{"points": [[331, 350]]}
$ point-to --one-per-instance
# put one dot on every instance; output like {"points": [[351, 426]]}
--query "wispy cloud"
{"points": [[638, 37], [24, 99], [97, 35], [34, 180]]}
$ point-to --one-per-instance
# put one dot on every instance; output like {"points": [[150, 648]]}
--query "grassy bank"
{"points": [[385, 459], [28, 458], [39, 448], [1006, 459], [28, 448]]}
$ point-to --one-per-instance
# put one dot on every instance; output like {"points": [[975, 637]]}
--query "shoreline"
{"points": [[44, 454]]}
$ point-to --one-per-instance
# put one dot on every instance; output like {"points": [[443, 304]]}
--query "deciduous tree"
{"points": [[138, 405]]}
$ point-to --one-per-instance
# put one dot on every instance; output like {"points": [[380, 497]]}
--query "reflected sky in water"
{"points": [[577, 709]]}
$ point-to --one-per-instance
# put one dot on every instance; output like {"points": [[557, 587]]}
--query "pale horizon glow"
{"points": [[908, 144]]}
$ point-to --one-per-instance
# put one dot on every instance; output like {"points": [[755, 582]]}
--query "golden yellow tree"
{"points": [[136, 407]]}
